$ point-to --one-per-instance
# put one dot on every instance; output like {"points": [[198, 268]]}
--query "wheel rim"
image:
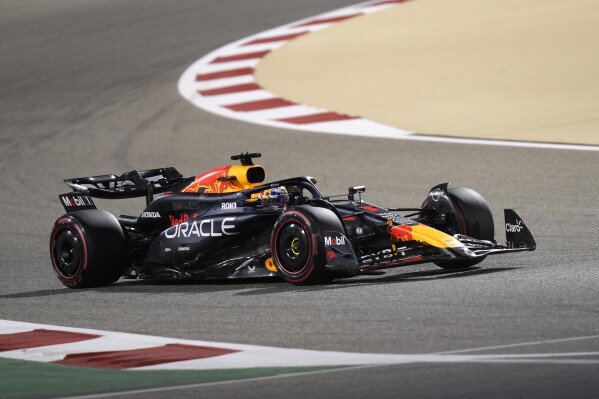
{"points": [[67, 253], [293, 247]]}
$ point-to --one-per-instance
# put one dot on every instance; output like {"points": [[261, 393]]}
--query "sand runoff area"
{"points": [[511, 69]]}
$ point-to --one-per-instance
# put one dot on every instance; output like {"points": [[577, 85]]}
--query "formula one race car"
{"points": [[226, 223]]}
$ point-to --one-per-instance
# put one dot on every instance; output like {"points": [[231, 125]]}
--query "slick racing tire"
{"points": [[297, 244], [88, 249], [475, 220]]}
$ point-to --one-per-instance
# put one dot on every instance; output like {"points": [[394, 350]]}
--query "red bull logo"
{"points": [[210, 182], [181, 219], [227, 179], [403, 233]]}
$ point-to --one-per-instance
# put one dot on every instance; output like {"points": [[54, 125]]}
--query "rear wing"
{"points": [[134, 184]]}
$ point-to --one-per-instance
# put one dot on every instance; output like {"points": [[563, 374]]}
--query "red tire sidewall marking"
{"points": [[462, 218], [68, 224], [84, 243]]}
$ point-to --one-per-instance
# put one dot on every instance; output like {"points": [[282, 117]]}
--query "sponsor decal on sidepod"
{"points": [[150, 215], [334, 240], [203, 228], [181, 219]]}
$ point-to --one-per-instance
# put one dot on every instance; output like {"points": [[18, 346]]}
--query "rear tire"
{"points": [[88, 249], [297, 244], [474, 220]]}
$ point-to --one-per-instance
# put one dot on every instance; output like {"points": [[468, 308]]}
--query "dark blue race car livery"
{"points": [[228, 223]]}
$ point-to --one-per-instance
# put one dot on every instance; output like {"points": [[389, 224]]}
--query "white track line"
{"points": [[252, 356], [509, 358], [531, 343]]}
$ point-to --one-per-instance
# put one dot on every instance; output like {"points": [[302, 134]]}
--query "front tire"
{"points": [[474, 220], [297, 244], [88, 249]]}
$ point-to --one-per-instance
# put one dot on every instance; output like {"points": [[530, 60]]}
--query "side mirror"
{"points": [[355, 190]]}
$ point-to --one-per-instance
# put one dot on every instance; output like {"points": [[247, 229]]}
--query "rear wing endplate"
{"points": [[76, 201]]}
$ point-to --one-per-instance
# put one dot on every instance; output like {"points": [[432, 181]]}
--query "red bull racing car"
{"points": [[228, 223]]}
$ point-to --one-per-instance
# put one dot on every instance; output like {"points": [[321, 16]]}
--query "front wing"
{"points": [[343, 257]]}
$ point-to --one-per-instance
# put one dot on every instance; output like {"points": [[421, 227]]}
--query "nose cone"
{"points": [[424, 234]]}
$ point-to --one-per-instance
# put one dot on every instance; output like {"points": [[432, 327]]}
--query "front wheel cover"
{"points": [[474, 219]]}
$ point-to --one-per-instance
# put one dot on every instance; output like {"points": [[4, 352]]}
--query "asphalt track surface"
{"points": [[90, 88]]}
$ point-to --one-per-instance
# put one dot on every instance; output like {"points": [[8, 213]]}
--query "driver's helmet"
{"points": [[274, 196]]}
